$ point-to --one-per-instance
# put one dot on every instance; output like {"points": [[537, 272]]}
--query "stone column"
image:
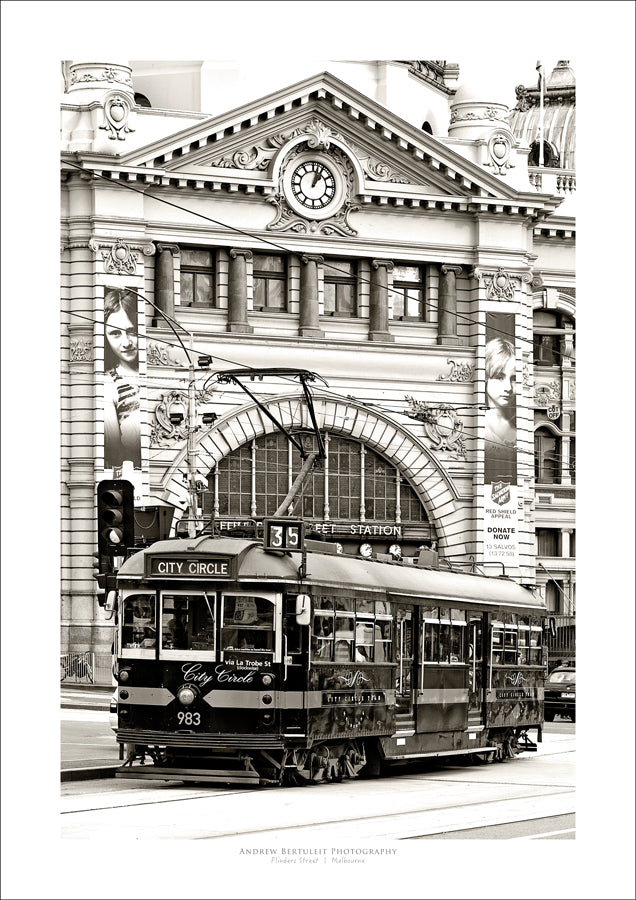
{"points": [[379, 301], [309, 320], [447, 309], [237, 292], [164, 281]]}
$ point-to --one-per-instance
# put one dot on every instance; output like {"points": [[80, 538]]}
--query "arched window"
{"points": [[550, 155], [355, 484], [142, 100], [426, 126], [547, 457]]}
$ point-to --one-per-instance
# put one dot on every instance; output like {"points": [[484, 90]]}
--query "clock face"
{"points": [[314, 187], [396, 551], [366, 550], [313, 184]]}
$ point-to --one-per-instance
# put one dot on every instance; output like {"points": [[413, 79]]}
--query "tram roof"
{"points": [[339, 571]]}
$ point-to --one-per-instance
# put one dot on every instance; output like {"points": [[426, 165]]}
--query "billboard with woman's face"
{"points": [[500, 451], [501, 525], [122, 435]]}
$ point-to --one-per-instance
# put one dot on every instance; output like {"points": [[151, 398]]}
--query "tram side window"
{"points": [[248, 623], [497, 642], [444, 635], [536, 635], [523, 647], [344, 630], [322, 629], [510, 640], [138, 621], [187, 622], [430, 629]]}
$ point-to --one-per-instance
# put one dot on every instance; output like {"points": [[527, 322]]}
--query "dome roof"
{"points": [[562, 76]]}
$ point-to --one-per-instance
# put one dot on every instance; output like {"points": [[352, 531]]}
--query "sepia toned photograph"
{"points": [[319, 602]]}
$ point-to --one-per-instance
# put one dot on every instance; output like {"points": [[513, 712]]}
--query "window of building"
{"points": [[197, 277], [547, 457], [548, 541], [270, 283], [254, 479], [553, 338], [408, 294], [340, 285], [550, 155]]}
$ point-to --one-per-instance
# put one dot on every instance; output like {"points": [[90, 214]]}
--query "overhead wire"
{"points": [[467, 319]]}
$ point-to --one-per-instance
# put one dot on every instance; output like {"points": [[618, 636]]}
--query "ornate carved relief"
{"points": [[258, 157], [545, 394], [490, 112], [117, 107], [442, 425], [165, 433], [499, 285], [108, 74], [156, 355], [460, 371], [499, 147], [81, 349], [289, 220], [119, 257]]}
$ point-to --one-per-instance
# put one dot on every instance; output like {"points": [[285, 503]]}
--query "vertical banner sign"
{"points": [[501, 539], [122, 435]]}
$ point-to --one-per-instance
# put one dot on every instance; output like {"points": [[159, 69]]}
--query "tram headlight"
{"points": [[267, 680], [186, 695], [124, 674]]}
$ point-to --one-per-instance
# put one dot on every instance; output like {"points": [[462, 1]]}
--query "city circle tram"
{"points": [[237, 662]]}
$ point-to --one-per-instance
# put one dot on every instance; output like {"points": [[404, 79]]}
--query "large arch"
{"points": [[343, 417]]}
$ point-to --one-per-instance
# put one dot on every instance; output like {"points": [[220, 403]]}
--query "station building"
{"points": [[368, 259]]}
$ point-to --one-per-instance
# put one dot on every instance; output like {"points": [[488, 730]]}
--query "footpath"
{"points": [[101, 758]]}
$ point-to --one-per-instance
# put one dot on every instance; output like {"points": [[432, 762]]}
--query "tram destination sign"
{"points": [[188, 567]]}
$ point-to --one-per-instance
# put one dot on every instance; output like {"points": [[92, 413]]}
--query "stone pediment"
{"points": [[390, 161]]}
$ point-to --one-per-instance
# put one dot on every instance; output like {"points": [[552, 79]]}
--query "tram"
{"points": [[281, 661]]}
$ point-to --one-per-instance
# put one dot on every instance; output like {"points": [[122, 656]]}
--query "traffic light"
{"points": [[115, 517]]}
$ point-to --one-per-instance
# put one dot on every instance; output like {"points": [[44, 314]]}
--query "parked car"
{"points": [[560, 693]]}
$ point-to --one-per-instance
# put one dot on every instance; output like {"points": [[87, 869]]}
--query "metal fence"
{"points": [[86, 668], [562, 645]]}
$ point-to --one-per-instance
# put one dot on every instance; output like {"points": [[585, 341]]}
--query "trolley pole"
{"points": [[191, 456]]}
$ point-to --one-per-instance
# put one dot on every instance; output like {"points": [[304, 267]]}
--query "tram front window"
{"points": [[138, 622], [248, 623], [187, 622]]}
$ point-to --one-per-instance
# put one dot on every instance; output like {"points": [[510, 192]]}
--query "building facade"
{"points": [[362, 264]]}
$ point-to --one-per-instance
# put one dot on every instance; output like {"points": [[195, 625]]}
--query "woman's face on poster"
{"points": [[121, 335], [500, 388]]}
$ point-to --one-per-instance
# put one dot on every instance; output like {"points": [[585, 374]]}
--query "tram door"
{"points": [[476, 682], [405, 661]]}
